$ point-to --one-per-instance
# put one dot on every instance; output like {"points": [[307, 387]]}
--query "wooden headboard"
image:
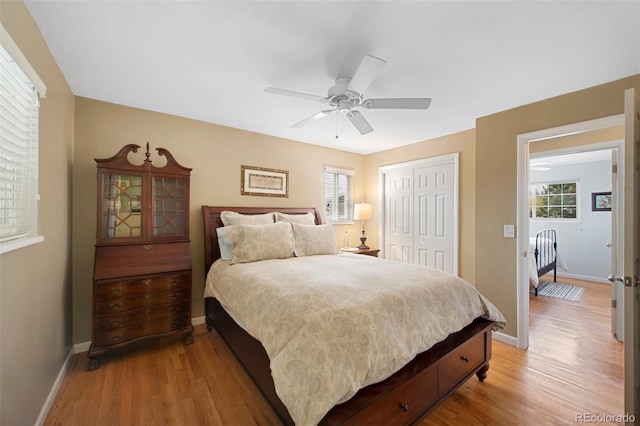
{"points": [[212, 221]]}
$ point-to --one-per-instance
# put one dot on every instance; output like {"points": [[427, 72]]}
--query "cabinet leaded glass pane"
{"points": [[122, 215], [169, 206]]}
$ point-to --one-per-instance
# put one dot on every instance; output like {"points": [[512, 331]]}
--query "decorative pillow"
{"points": [[260, 242], [224, 242], [235, 218], [306, 219], [309, 240]]}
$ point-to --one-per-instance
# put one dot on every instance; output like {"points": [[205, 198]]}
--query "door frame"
{"points": [[453, 158], [522, 222]]}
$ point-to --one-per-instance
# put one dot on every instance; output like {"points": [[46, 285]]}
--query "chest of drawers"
{"points": [[147, 294]]}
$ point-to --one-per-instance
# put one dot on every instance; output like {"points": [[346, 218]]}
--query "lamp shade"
{"points": [[362, 211]]}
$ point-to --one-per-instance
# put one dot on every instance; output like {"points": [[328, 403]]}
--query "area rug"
{"points": [[559, 291]]}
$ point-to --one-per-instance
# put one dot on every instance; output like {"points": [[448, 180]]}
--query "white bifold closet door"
{"points": [[420, 224]]}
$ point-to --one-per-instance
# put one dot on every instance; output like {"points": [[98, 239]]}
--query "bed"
{"points": [[544, 257], [403, 396]]}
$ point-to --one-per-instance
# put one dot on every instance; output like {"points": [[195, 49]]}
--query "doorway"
{"points": [[523, 149]]}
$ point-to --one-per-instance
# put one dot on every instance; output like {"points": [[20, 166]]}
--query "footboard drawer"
{"points": [[404, 404], [461, 362]]}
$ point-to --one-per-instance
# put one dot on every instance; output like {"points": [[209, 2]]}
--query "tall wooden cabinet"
{"points": [[142, 270]]}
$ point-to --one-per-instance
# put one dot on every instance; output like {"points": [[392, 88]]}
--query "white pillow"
{"points": [[309, 240], [261, 242], [235, 218], [306, 219], [224, 242]]}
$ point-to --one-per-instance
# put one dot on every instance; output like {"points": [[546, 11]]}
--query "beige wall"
{"points": [[215, 153], [35, 281], [580, 139], [462, 143], [496, 191]]}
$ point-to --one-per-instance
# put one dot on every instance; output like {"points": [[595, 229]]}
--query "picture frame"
{"points": [[264, 182], [601, 201]]}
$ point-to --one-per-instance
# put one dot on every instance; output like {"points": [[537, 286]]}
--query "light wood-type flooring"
{"points": [[573, 366]]}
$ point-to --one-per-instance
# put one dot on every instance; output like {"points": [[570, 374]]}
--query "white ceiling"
{"points": [[212, 60]]}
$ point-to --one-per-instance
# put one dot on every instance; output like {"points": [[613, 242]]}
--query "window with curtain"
{"points": [[338, 194], [19, 134]]}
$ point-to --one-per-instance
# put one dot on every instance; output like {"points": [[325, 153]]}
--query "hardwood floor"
{"points": [[573, 365]]}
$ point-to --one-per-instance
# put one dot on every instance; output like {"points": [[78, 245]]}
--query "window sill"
{"points": [[19, 243]]}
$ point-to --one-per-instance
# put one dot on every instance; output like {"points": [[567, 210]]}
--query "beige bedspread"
{"points": [[333, 324]]}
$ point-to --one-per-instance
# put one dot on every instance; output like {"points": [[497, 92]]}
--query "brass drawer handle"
{"points": [[116, 321], [464, 358], [404, 407], [116, 290], [175, 282], [146, 295], [146, 282], [115, 306], [175, 296], [116, 337], [177, 309]]}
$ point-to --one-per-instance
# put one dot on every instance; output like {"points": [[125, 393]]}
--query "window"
{"points": [[20, 89], [338, 194], [554, 200]]}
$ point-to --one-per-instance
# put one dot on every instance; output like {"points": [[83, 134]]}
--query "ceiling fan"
{"points": [[346, 95]]}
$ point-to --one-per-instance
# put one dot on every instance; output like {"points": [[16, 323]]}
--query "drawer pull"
{"points": [[146, 295], [115, 306], [464, 358], [146, 246], [116, 290], [404, 407], [175, 296], [116, 337], [146, 282], [116, 321], [175, 282]]}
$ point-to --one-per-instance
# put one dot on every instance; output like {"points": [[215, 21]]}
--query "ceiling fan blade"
{"points": [[314, 117], [360, 122], [397, 103], [295, 94], [367, 71]]}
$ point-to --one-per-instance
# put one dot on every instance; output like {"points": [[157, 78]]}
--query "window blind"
{"points": [[339, 194], [19, 117]]}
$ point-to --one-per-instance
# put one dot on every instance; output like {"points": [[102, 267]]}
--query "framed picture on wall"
{"points": [[601, 201], [264, 182]]}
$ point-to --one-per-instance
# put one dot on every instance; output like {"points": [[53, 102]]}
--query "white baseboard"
{"points": [[584, 277], [84, 346], [505, 338], [54, 390]]}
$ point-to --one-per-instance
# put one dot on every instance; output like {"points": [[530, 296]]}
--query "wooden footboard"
{"points": [[404, 398]]}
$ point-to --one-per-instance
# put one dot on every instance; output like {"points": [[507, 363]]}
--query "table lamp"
{"points": [[363, 211]]}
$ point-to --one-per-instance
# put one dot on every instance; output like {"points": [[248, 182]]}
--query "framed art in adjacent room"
{"points": [[264, 182], [601, 201]]}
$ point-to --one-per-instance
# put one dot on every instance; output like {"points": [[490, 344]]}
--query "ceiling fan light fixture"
{"points": [[345, 96]]}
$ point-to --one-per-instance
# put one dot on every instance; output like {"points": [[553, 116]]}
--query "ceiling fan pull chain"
{"points": [[337, 115]]}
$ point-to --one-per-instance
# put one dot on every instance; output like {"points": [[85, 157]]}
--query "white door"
{"points": [[433, 207], [631, 260], [398, 215], [420, 212], [617, 311]]}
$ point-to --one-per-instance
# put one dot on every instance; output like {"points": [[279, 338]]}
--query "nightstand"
{"points": [[368, 252]]}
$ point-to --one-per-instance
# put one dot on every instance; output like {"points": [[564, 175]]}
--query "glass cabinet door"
{"points": [[169, 206], [121, 206]]}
